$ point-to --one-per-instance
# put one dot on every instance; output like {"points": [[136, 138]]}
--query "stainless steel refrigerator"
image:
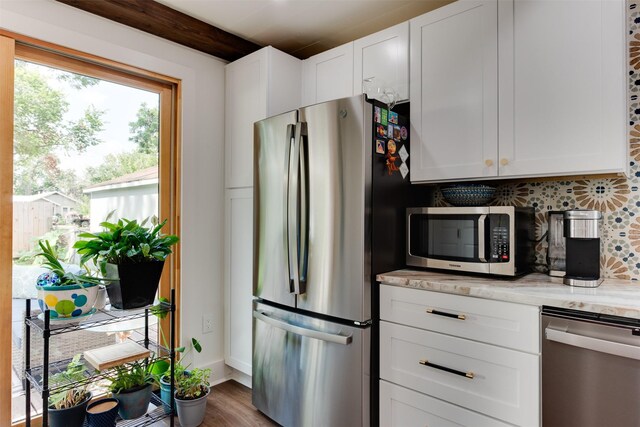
{"points": [[330, 190]]}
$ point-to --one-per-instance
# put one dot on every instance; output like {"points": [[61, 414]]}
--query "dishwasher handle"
{"points": [[595, 344]]}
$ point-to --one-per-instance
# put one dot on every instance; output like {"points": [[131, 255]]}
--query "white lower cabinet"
{"points": [[238, 278], [458, 371], [400, 406]]}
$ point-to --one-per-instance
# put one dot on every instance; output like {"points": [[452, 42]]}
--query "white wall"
{"points": [[202, 143]]}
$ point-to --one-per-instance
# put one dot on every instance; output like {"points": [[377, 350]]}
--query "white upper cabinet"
{"points": [[454, 92], [383, 57], [260, 85], [518, 88], [328, 75], [562, 87]]}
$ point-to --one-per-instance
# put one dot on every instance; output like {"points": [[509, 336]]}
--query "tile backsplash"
{"points": [[617, 198]]}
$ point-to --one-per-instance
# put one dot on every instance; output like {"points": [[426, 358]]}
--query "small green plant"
{"points": [[193, 385], [52, 263], [131, 376], [75, 396], [125, 242]]}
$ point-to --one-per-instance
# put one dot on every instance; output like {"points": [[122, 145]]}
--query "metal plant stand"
{"points": [[38, 376]]}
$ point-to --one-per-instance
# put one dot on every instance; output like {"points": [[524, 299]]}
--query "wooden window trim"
{"points": [[15, 46]]}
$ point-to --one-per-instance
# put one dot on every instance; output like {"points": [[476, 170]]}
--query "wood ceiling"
{"points": [[162, 21]]}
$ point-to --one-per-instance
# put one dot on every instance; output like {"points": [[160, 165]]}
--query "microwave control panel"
{"points": [[499, 243]]}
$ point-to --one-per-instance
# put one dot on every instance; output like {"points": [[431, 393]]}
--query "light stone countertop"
{"points": [[613, 296]]}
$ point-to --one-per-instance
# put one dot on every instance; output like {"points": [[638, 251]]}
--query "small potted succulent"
{"points": [[67, 407], [65, 294], [191, 394], [131, 256], [132, 384]]}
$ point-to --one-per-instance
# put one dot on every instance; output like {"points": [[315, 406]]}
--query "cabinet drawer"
{"points": [[501, 383], [401, 407], [501, 323]]}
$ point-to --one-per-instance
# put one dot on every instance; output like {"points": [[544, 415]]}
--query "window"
{"points": [[89, 137]]}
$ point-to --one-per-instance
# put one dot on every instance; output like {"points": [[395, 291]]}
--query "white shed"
{"points": [[132, 196]]}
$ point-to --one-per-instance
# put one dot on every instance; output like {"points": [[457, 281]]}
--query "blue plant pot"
{"points": [[133, 404], [106, 418], [165, 391]]}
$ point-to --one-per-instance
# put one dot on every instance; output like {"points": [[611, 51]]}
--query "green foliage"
{"points": [[73, 397], [193, 385], [144, 130], [125, 242], [52, 263], [116, 165], [40, 128], [131, 376]]}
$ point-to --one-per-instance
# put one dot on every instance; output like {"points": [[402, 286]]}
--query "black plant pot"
{"points": [[69, 417], [135, 285]]}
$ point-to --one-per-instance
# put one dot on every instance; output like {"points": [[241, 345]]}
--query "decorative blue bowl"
{"points": [[468, 194]]}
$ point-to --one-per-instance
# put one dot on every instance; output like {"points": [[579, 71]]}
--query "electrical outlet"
{"points": [[207, 323]]}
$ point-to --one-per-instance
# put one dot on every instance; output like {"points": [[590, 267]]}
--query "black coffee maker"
{"points": [[582, 233]]}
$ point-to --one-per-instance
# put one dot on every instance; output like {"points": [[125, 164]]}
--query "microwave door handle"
{"points": [[481, 245], [292, 213]]}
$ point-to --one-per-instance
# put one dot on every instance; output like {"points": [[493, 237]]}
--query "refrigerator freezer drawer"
{"points": [[307, 371]]}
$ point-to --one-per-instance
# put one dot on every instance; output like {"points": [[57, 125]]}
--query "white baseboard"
{"points": [[241, 377], [220, 372]]}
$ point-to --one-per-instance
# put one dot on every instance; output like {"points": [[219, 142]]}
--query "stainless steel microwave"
{"points": [[491, 240]]}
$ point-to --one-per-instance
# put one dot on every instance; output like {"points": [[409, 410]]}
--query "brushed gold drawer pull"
{"points": [[425, 362], [442, 313]]}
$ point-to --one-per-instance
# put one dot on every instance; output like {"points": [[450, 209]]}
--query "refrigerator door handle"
{"points": [[303, 243], [292, 210], [289, 148], [305, 332]]}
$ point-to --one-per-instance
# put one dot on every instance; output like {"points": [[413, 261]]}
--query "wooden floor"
{"points": [[229, 404]]}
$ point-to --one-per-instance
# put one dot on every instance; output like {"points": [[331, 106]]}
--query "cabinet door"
{"points": [[454, 92], [383, 57], [400, 406], [238, 278], [245, 103], [562, 87], [495, 381], [328, 75]]}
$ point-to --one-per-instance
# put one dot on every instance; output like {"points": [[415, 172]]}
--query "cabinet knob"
{"points": [[504, 162], [488, 162]]}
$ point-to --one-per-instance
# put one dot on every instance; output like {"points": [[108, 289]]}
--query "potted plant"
{"points": [[131, 384], [67, 407], [63, 293], [179, 369], [131, 256], [191, 394], [161, 368]]}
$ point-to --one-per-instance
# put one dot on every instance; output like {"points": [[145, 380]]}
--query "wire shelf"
{"points": [[35, 374], [102, 317]]}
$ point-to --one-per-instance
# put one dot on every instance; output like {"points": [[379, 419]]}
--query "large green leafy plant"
{"points": [[72, 397], [125, 242]]}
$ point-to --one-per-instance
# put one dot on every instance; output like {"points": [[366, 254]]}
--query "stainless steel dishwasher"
{"points": [[590, 369]]}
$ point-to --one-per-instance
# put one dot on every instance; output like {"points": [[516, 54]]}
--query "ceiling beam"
{"points": [[162, 21]]}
